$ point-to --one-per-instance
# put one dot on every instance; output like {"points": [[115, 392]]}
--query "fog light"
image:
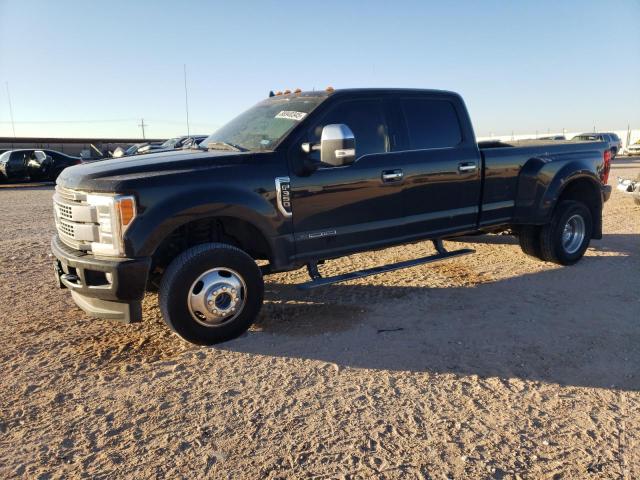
{"points": [[109, 277]]}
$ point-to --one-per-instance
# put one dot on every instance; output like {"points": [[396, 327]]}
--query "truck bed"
{"points": [[512, 170]]}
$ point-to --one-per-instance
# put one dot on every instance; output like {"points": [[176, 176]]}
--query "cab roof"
{"points": [[365, 91]]}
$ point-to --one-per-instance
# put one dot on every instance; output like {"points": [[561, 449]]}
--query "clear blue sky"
{"points": [[81, 68]]}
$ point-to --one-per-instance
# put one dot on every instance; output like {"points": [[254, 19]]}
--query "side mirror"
{"points": [[337, 145]]}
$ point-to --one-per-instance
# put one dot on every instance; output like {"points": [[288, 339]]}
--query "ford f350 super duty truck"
{"points": [[303, 177]]}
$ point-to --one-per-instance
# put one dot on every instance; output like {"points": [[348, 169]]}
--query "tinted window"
{"points": [[365, 119], [431, 123]]}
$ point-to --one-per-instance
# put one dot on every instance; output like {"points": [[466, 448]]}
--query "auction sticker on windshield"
{"points": [[291, 115]]}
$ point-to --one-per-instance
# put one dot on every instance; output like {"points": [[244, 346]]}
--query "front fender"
{"points": [[164, 215]]}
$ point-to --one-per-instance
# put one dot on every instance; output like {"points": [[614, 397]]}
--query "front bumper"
{"points": [[103, 287]]}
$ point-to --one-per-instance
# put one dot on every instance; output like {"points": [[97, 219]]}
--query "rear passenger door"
{"points": [[441, 164]]}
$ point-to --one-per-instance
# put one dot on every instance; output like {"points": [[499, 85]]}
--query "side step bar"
{"points": [[318, 280]]}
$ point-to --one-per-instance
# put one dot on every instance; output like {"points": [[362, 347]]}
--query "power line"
{"points": [[46, 122]]}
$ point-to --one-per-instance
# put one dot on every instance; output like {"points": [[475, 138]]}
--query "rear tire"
{"points": [[565, 239], [529, 239], [211, 293]]}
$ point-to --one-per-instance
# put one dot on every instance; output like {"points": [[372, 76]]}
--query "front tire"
{"points": [[565, 239], [211, 293]]}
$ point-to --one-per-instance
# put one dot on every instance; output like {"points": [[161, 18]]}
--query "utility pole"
{"points": [[186, 98], [13, 127], [142, 125]]}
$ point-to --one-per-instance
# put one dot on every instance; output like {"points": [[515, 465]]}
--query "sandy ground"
{"points": [[489, 366]]}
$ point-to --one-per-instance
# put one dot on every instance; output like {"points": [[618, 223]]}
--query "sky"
{"points": [[95, 69]]}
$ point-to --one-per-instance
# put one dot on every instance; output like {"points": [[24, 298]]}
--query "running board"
{"points": [[320, 281]]}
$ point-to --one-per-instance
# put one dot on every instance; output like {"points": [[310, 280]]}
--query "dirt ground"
{"points": [[493, 365]]}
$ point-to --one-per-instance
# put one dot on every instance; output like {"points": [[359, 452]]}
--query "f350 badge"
{"points": [[283, 195]]}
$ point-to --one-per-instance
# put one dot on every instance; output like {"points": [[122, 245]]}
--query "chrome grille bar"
{"points": [[76, 221]]}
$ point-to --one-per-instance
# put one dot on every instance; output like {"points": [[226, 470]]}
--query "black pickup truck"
{"points": [[303, 177]]}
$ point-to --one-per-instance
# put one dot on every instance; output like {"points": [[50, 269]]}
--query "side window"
{"points": [[366, 120], [431, 123], [19, 156]]}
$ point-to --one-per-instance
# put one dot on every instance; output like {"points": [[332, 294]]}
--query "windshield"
{"points": [[264, 125]]}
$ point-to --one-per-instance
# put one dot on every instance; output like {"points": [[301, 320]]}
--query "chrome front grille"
{"points": [[76, 221], [70, 195], [65, 211], [66, 228]]}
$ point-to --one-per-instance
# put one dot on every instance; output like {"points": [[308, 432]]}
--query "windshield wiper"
{"points": [[226, 146]]}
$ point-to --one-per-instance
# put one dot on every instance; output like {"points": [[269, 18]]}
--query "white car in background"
{"points": [[633, 149]]}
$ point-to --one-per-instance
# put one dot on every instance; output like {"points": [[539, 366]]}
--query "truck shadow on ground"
{"points": [[574, 326]]}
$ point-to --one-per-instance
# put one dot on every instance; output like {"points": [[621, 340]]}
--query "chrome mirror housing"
{"points": [[337, 145]]}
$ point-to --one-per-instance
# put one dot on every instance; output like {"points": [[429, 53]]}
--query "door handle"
{"points": [[392, 175], [467, 167]]}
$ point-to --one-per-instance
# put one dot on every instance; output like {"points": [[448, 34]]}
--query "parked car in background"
{"points": [[611, 138], [132, 150], [633, 149], [34, 164], [173, 144], [553, 137]]}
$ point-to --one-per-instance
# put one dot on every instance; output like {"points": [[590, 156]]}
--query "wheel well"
{"points": [[585, 191], [233, 231]]}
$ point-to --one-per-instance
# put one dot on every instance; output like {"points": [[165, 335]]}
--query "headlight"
{"points": [[114, 214]]}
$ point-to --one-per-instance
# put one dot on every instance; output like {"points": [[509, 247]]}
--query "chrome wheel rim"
{"points": [[573, 234], [216, 297]]}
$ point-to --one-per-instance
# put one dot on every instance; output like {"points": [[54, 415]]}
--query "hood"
{"points": [[110, 175]]}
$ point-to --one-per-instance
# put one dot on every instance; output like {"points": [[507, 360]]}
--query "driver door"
{"points": [[337, 210]]}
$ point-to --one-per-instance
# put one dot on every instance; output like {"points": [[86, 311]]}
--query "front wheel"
{"points": [[211, 293], [565, 239]]}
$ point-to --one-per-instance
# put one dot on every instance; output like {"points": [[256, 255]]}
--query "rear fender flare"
{"points": [[541, 184]]}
